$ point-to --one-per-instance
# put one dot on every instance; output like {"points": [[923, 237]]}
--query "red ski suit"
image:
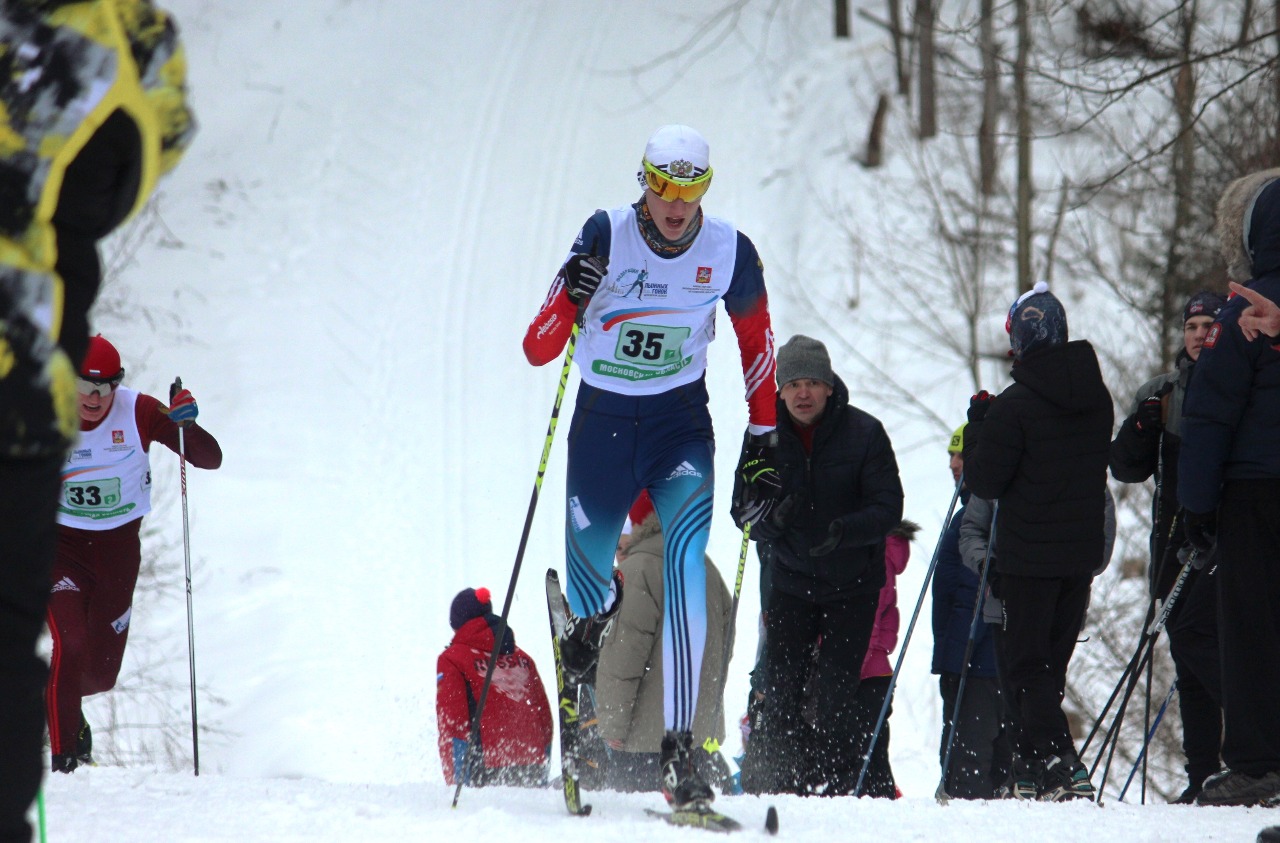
{"points": [[93, 579]]}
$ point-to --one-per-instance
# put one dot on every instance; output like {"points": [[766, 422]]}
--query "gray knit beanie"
{"points": [[804, 357]]}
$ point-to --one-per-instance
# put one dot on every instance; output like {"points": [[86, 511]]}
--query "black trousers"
{"points": [[28, 536], [1249, 624], [825, 755], [980, 751], [1193, 642], [867, 704], [1043, 616]]}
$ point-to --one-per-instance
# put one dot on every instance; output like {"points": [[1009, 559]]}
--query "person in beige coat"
{"points": [[629, 699]]}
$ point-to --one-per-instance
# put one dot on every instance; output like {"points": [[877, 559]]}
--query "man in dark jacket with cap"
{"points": [[1229, 487], [1040, 449], [822, 549], [1147, 445]]}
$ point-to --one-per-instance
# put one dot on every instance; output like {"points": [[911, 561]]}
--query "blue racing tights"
{"points": [[620, 445]]}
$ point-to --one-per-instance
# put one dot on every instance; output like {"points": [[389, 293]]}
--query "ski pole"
{"points": [[1152, 634], [897, 668], [473, 748], [1146, 711], [733, 614], [1142, 756], [186, 555], [40, 814], [941, 793], [1158, 613]]}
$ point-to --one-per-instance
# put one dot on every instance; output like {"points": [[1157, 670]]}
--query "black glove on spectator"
{"points": [[1201, 529], [1150, 416], [583, 274], [834, 533], [979, 404]]}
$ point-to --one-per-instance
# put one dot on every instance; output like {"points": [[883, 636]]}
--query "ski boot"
{"points": [[583, 637], [83, 755], [682, 784], [1065, 778], [84, 743]]}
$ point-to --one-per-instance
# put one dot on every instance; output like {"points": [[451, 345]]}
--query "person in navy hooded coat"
{"points": [[1229, 488]]}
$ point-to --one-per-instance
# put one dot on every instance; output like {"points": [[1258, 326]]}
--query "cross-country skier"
{"points": [[641, 420], [106, 490]]}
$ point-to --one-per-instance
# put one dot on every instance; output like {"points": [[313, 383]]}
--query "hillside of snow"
{"points": [[341, 271]]}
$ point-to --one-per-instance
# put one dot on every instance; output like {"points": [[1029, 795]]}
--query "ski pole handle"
{"points": [[174, 389]]}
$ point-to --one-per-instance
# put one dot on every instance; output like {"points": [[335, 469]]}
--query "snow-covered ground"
{"points": [[341, 272]]}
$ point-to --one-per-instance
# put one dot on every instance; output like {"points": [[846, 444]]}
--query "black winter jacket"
{"points": [[1042, 451], [1137, 455], [851, 476]]}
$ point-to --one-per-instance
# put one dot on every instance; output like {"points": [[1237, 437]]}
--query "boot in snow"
{"points": [[682, 785]]}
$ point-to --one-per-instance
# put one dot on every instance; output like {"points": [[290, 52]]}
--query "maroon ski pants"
{"points": [[89, 611]]}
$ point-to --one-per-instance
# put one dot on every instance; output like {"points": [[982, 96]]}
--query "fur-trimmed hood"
{"points": [[1248, 225]]}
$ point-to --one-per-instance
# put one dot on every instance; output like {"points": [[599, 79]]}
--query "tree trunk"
{"points": [[842, 18], [990, 102], [1025, 280], [924, 30], [899, 53], [875, 138], [1177, 286]]}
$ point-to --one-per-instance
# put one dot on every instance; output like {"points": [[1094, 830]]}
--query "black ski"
{"points": [[705, 818], [568, 706]]}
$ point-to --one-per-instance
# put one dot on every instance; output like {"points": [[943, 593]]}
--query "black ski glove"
{"points": [[1150, 416], [582, 276], [772, 527], [834, 533], [979, 404], [1201, 530], [761, 485]]}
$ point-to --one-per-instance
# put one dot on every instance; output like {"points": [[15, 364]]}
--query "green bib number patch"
{"points": [[98, 498], [644, 352]]}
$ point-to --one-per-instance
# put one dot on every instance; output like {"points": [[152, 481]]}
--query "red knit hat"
{"points": [[101, 361]]}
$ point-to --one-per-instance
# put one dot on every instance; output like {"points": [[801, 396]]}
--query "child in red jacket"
{"points": [[515, 734]]}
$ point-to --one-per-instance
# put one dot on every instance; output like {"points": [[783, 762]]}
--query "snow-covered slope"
{"points": [[341, 271]]}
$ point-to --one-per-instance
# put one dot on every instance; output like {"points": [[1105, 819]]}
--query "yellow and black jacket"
{"points": [[94, 111]]}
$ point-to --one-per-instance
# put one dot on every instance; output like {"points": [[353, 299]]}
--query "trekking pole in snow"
{"points": [[186, 555], [941, 793], [1142, 756], [473, 746], [1156, 607], [897, 668], [1151, 634]]}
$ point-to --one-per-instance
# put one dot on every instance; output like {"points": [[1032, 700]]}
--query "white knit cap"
{"points": [[678, 150]]}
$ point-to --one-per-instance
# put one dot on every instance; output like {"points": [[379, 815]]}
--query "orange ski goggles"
{"points": [[670, 188]]}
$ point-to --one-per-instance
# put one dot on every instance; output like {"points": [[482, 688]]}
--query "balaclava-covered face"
{"points": [[1036, 321]]}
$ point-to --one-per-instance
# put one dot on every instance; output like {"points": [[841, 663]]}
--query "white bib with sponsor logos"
{"points": [[648, 326], [106, 480]]}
